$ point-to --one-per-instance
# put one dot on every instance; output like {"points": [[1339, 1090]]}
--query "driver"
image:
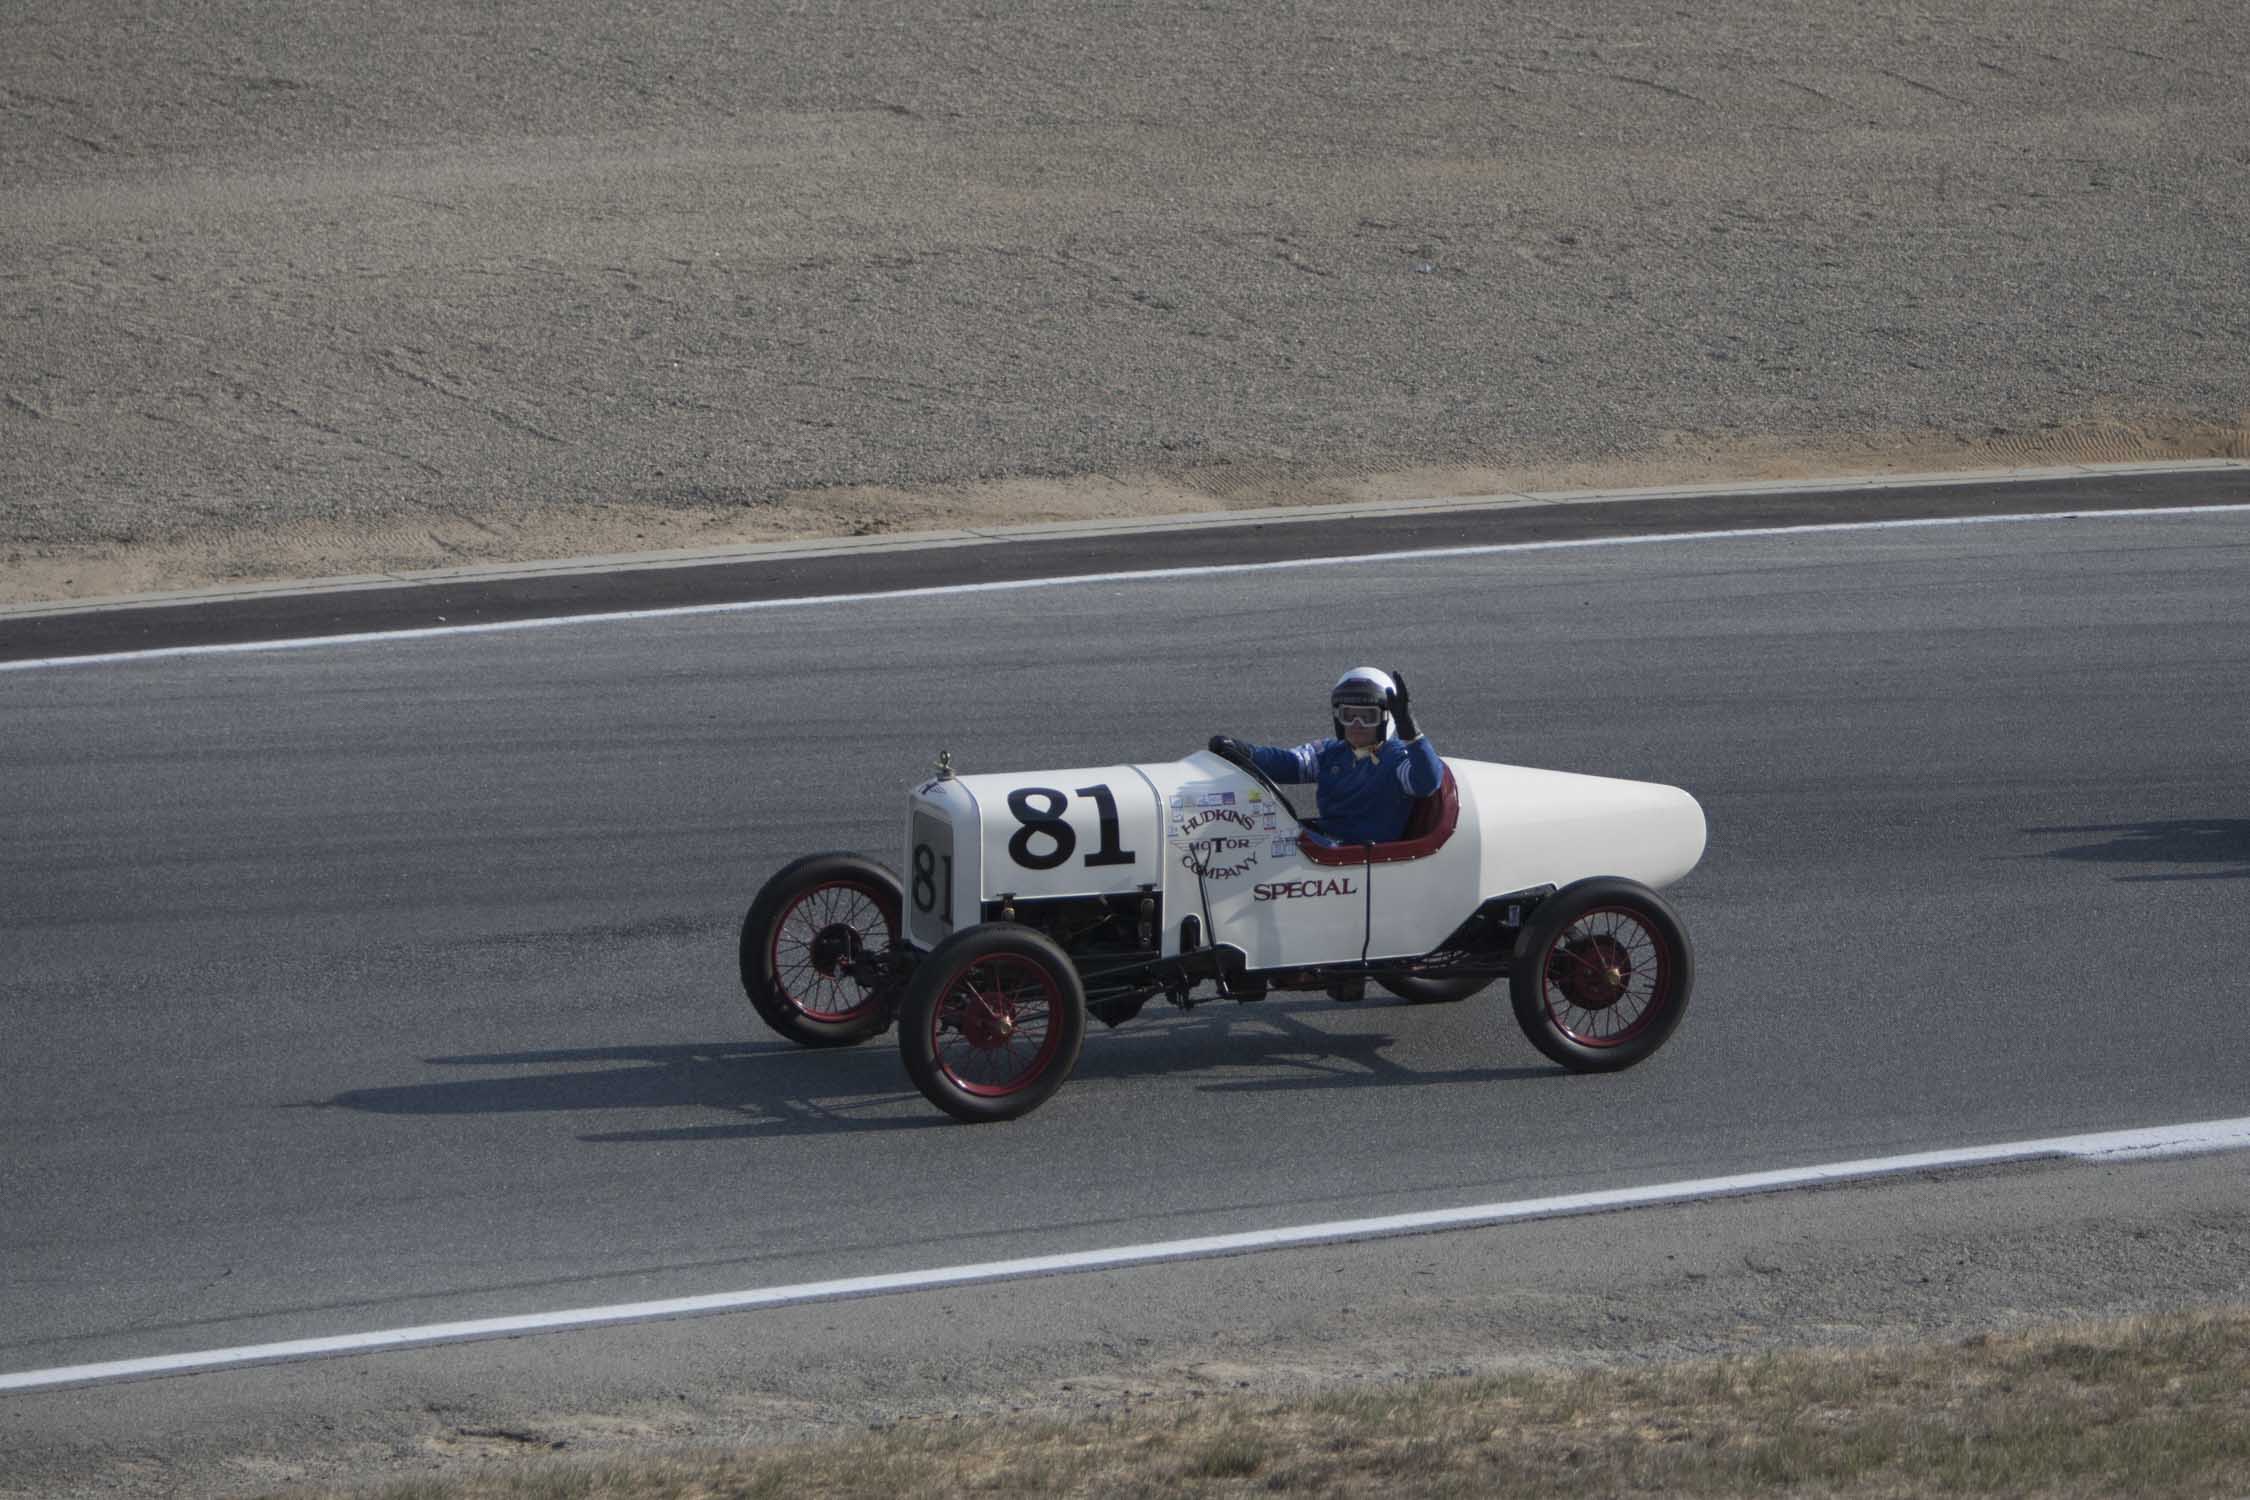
{"points": [[1368, 778]]}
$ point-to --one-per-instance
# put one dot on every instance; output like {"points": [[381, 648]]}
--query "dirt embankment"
{"points": [[401, 289]]}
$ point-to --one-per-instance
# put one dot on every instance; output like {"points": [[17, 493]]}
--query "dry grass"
{"points": [[2147, 1407]]}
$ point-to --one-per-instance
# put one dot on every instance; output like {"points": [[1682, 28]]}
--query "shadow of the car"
{"points": [[769, 1088], [1295, 1052], [2170, 841]]}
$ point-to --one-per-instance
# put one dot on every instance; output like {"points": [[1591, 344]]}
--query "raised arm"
{"points": [[1421, 772], [1300, 764]]}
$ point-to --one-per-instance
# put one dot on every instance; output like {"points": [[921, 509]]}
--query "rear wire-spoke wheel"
{"points": [[991, 1023], [1602, 975], [808, 945]]}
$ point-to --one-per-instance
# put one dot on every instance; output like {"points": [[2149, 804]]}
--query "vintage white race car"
{"points": [[1032, 900]]}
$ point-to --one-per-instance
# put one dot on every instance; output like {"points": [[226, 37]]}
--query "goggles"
{"points": [[1365, 715]]}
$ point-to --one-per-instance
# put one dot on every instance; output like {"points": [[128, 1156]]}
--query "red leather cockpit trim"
{"points": [[1417, 845]]}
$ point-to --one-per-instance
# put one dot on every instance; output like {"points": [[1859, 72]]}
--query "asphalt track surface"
{"points": [[374, 985]]}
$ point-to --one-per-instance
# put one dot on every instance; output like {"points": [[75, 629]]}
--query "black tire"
{"points": [[806, 922], [965, 1022], [1601, 975], [1417, 989]]}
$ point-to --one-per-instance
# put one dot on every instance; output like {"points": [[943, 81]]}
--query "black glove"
{"points": [[1401, 715], [1227, 747]]}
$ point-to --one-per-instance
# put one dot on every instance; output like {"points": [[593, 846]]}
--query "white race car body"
{"points": [[1200, 837]]}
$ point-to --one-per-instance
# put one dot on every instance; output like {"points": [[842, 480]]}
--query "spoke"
{"points": [[1013, 999], [1005, 989]]}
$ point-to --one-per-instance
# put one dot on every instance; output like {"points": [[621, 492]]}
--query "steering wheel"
{"points": [[1257, 774]]}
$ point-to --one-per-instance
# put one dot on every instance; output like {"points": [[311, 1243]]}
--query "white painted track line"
{"points": [[2110, 1146], [1423, 554]]}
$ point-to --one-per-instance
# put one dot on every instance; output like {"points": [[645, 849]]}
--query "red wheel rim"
{"points": [[814, 942], [1606, 977], [995, 1029]]}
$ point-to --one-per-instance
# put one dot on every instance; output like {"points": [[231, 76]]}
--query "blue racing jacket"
{"points": [[1363, 799]]}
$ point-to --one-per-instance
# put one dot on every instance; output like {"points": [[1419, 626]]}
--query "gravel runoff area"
{"points": [[291, 293]]}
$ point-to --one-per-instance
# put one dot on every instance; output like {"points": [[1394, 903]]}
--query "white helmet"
{"points": [[1362, 687]]}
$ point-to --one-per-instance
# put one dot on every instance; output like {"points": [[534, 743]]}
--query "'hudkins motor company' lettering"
{"points": [[1290, 890], [1212, 815]]}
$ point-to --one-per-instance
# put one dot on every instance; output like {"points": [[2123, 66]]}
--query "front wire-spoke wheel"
{"points": [[1602, 975], [992, 1022], [812, 947]]}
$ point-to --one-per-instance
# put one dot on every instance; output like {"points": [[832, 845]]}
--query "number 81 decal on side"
{"points": [[1045, 837], [929, 884]]}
